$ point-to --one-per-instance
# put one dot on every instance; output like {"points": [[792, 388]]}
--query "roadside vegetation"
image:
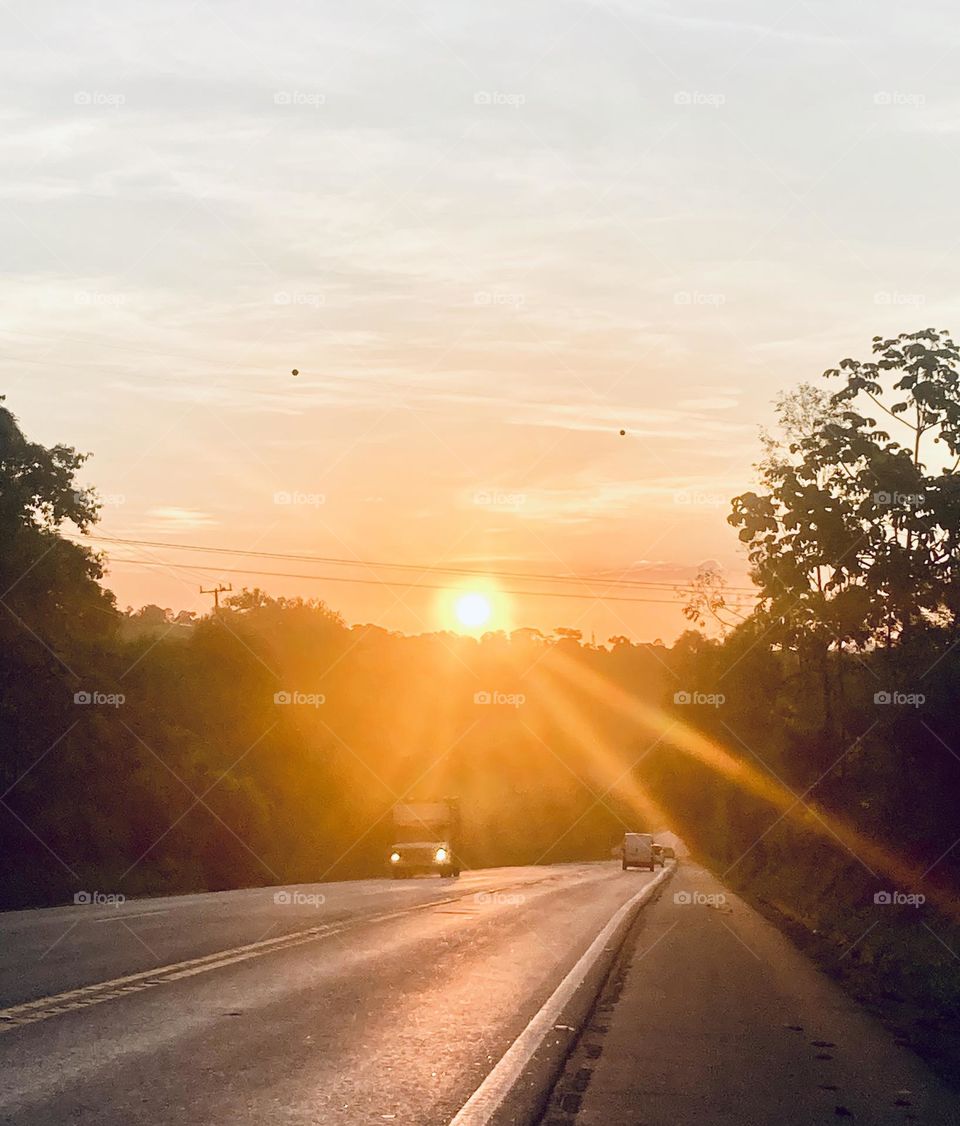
{"points": [[842, 689]]}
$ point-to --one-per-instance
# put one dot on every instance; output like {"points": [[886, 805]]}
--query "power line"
{"points": [[388, 582], [471, 572]]}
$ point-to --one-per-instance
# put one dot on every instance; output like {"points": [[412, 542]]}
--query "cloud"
{"points": [[717, 403], [759, 31], [672, 423], [169, 518]]}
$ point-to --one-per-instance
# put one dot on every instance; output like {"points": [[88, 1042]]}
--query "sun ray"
{"points": [[799, 809]]}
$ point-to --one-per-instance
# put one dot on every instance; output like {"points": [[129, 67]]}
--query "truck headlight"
{"points": [[394, 857], [440, 855]]}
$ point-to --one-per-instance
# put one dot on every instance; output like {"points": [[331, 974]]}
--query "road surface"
{"points": [[362, 1002], [405, 1002]]}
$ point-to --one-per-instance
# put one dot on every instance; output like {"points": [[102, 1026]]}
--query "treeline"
{"points": [[787, 782], [270, 746]]}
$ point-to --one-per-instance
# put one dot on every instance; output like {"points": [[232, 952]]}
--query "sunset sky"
{"points": [[489, 237]]}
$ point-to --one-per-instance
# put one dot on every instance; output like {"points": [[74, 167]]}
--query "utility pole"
{"points": [[216, 592]]}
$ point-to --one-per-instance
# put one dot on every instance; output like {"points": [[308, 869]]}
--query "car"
{"points": [[638, 851], [658, 854], [669, 853]]}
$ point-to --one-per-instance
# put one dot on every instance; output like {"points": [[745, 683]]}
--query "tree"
{"points": [[153, 615], [48, 585], [55, 623], [37, 487], [856, 536], [707, 595]]}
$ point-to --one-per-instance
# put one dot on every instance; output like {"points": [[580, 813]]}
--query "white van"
{"points": [[638, 851]]}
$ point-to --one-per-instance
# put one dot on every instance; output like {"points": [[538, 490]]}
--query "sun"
{"points": [[473, 610]]}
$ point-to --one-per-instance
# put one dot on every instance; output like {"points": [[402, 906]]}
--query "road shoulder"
{"points": [[712, 1016]]}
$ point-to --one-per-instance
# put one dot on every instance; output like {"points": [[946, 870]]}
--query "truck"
{"points": [[638, 851], [426, 838]]}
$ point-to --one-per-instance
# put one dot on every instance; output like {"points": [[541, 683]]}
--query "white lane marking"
{"points": [[29, 1012], [480, 1108]]}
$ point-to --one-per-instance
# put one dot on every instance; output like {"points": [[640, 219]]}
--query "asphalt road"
{"points": [[362, 1002]]}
